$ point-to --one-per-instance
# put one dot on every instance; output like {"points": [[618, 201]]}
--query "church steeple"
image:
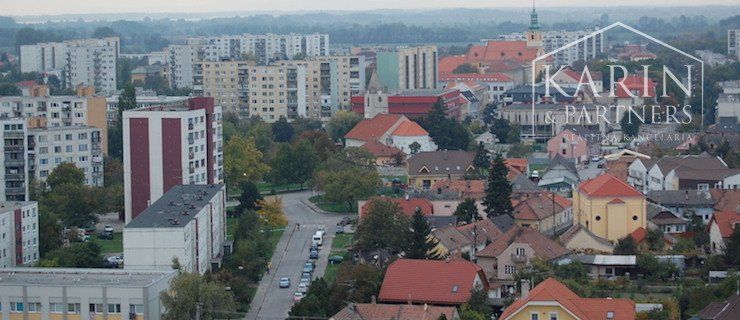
{"points": [[534, 36], [533, 23]]}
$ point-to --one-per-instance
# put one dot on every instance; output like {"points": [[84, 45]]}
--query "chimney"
{"points": [[525, 288], [409, 300]]}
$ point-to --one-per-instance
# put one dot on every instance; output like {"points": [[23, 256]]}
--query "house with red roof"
{"points": [[547, 212], [436, 282], [391, 130], [387, 311], [410, 103], [640, 238], [609, 207], [408, 205], [721, 226], [634, 90], [551, 299]]}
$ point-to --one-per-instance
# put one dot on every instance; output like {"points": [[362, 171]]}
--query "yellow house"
{"points": [[552, 300], [609, 207]]}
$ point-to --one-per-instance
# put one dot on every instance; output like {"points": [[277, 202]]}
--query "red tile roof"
{"points": [[635, 83], [468, 188], [551, 290], [408, 206], [449, 63], [430, 281], [26, 83], [485, 77], [639, 235], [382, 311], [372, 129], [540, 206], [380, 150], [726, 221], [500, 50], [410, 129], [725, 200], [608, 185], [544, 247]]}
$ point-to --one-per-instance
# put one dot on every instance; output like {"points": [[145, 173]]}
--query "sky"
{"points": [[54, 7]]}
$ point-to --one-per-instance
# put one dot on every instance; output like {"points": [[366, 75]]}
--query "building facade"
{"points": [[609, 207], [42, 57], [264, 48], [351, 76], [733, 43], [225, 81], [168, 146], [48, 147], [187, 223], [408, 68], [19, 233], [82, 294], [15, 182]]}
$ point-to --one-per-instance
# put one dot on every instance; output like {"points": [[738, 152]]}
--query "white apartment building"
{"points": [[82, 294], [728, 106], [351, 76], [181, 60], [266, 48], [19, 233], [48, 147], [553, 40], [166, 146], [90, 62], [59, 111], [733, 43], [14, 181], [318, 97], [187, 223], [276, 91]]}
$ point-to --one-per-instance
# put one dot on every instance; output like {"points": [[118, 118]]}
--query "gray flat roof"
{"points": [[95, 277], [176, 207], [12, 205]]}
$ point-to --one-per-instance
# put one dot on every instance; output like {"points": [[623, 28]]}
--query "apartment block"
{"points": [[187, 223], [48, 147], [166, 146], [14, 184], [275, 91], [351, 76], [321, 88], [142, 101], [180, 62], [19, 233], [264, 48], [588, 49], [59, 111], [82, 294], [733, 43], [408, 68], [225, 81], [90, 62]]}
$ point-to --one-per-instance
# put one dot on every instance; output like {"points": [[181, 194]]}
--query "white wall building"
{"points": [[188, 223], [728, 106], [553, 40], [42, 57], [165, 146], [51, 146], [82, 294], [19, 233]]}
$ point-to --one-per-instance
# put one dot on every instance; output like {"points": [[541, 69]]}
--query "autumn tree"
{"points": [[191, 296], [243, 161], [271, 211]]}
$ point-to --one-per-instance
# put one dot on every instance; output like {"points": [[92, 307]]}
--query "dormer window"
{"points": [[609, 315]]}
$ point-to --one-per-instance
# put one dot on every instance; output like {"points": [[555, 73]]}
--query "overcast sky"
{"points": [[52, 7]]}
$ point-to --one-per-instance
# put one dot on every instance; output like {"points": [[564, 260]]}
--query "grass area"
{"points": [[329, 206], [114, 245], [339, 246], [231, 227], [268, 188], [275, 235]]}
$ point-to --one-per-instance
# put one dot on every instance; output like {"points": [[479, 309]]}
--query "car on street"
{"points": [[345, 221], [106, 235], [313, 247], [297, 296], [306, 277], [595, 159], [339, 230], [336, 259], [314, 254], [309, 265], [307, 269], [312, 262], [303, 288], [284, 282]]}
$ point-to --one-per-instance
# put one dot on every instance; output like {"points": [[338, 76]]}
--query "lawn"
{"points": [[268, 188], [339, 246], [231, 227], [114, 245], [329, 206]]}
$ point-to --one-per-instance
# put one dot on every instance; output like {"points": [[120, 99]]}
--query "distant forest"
{"points": [[140, 35]]}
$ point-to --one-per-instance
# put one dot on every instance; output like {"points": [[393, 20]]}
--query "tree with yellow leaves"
{"points": [[271, 212]]}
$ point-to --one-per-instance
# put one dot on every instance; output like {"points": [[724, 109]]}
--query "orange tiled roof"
{"points": [[372, 311], [430, 281], [468, 188], [408, 206], [551, 290], [500, 50], [608, 185], [372, 129], [540, 207], [380, 150], [544, 247], [410, 128], [449, 63], [726, 221]]}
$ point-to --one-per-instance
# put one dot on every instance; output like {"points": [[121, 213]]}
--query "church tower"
{"points": [[534, 34]]}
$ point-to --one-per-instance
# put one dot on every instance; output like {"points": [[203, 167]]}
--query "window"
{"points": [[634, 218], [34, 307], [137, 308], [96, 307], [534, 316], [520, 251], [553, 316], [73, 308], [16, 306], [114, 308], [610, 314], [56, 307], [509, 269]]}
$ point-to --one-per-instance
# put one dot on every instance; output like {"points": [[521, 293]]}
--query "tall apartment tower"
{"points": [[92, 62], [350, 76], [733, 43], [14, 184], [408, 68], [43, 57], [165, 146], [19, 233], [225, 81]]}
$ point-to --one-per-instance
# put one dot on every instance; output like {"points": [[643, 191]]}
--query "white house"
{"points": [[391, 130]]}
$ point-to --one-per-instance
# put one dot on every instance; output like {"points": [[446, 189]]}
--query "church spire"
{"points": [[533, 24]]}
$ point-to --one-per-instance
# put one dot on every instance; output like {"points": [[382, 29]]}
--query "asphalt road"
{"points": [[270, 301]]}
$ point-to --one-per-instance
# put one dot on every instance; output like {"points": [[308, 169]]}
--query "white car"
{"points": [[116, 259], [303, 287], [297, 296], [108, 228]]}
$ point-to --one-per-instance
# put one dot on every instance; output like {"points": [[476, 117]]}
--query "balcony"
{"points": [[14, 134], [519, 258], [14, 147], [14, 162], [15, 190], [15, 176]]}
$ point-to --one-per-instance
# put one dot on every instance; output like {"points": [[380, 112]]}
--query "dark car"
{"points": [[313, 247], [339, 230], [314, 254], [345, 221], [336, 259], [106, 235]]}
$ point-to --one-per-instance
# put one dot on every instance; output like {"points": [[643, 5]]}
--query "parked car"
{"points": [[339, 230], [305, 278], [303, 288], [106, 235], [595, 159], [108, 228], [307, 269], [312, 262], [284, 282], [297, 296], [309, 265], [314, 254], [118, 260], [336, 259], [314, 247], [345, 221], [600, 165]]}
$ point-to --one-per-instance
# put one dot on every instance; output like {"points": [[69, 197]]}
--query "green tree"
{"points": [[626, 245], [76, 255], [355, 282], [320, 141], [520, 150], [478, 302], [653, 269], [466, 211], [72, 201], [466, 68], [50, 237], [732, 249], [341, 123], [630, 124], [316, 303], [9, 89], [64, 174], [349, 185], [103, 32], [127, 100], [501, 129], [655, 240], [447, 133], [421, 243], [283, 165], [243, 161], [261, 133], [498, 191], [383, 226], [191, 296], [415, 147], [481, 160], [282, 130], [248, 198], [305, 161]]}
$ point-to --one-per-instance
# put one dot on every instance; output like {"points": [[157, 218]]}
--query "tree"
{"points": [[481, 160], [305, 161], [498, 191], [243, 161], [282, 130], [501, 129], [654, 269], [421, 242], [191, 296], [103, 32], [349, 185], [9, 89], [261, 133], [50, 236], [355, 282], [71, 200], [626, 245], [316, 303], [465, 68], [630, 125], [466, 211], [447, 133], [383, 227], [127, 100], [415, 147], [732, 249], [64, 174], [655, 240], [341, 123], [76, 255], [520, 150], [249, 197], [271, 211], [478, 302], [322, 144], [283, 165]]}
